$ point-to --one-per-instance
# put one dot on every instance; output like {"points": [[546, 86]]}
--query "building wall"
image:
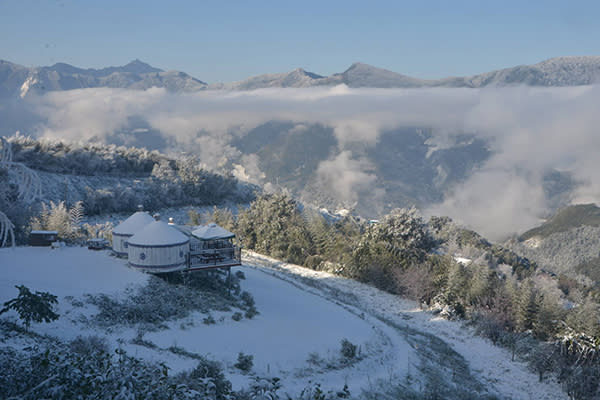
{"points": [[158, 259], [119, 243]]}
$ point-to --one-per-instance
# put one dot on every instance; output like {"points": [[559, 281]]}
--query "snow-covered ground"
{"points": [[304, 315], [490, 364], [293, 325]]}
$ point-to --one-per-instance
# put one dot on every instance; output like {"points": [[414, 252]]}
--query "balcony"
{"points": [[206, 258]]}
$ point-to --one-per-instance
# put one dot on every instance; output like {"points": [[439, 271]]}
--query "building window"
{"points": [[180, 253], [142, 256], [126, 245]]}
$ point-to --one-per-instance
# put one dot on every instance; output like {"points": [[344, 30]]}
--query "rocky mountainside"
{"points": [[17, 80], [560, 71], [295, 79], [567, 243]]}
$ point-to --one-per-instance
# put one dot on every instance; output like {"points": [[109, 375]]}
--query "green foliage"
{"points": [[210, 375], [585, 318], [36, 307], [245, 362], [224, 218], [516, 307], [565, 219], [87, 369], [527, 305], [273, 225], [171, 297], [59, 217], [237, 316], [348, 349]]}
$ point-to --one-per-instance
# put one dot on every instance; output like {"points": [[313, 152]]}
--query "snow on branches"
{"points": [[26, 181], [6, 230]]}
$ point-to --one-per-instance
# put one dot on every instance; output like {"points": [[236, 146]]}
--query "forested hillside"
{"points": [[554, 324], [550, 321], [567, 244], [108, 179]]}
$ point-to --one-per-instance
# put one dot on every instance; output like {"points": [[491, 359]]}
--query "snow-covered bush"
{"points": [[208, 379], [260, 389], [85, 370], [160, 301], [19, 188], [245, 362], [348, 349], [251, 312], [58, 217], [236, 316], [36, 307]]}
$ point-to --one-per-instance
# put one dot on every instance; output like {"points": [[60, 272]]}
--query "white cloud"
{"points": [[345, 176], [530, 130]]}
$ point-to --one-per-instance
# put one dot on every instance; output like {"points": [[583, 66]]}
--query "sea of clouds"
{"points": [[529, 131]]}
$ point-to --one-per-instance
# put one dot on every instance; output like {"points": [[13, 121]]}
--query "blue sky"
{"points": [[229, 40]]}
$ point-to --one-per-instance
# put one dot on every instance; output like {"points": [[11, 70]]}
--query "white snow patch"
{"points": [[292, 326], [463, 260], [489, 363]]}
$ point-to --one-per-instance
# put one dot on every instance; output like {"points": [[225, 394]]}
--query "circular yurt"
{"points": [[157, 248], [122, 232]]}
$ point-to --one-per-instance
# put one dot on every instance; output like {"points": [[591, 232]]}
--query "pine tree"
{"points": [[585, 317], [526, 305], [481, 285], [549, 314]]}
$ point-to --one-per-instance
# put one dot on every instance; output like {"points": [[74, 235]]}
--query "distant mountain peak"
{"points": [[17, 80], [139, 67], [359, 64], [302, 71]]}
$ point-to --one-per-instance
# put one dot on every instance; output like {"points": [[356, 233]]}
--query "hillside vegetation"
{"points": [[109, 179], [567, 244], [566, 219], [503, 294]]}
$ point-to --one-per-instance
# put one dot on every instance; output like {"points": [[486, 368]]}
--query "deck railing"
{"points": [[210, 258]]}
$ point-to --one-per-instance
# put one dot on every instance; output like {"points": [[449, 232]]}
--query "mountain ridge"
{"points": [[558, 71], [18, 80]]}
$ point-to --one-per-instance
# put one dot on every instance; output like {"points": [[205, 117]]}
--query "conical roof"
{"points": [[133, 224], [211, 232], [158, 233]]}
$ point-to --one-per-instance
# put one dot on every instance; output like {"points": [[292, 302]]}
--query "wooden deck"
{"points": [[200, 259]]}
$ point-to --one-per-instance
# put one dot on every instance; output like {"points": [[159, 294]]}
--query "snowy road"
{"points": [[491, 365]]}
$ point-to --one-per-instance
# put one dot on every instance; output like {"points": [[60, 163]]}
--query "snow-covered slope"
{"points": [[303, 317], [19, 80], [296, 79], [560, 71], [293, 325], [364, 75], [490, 364]]}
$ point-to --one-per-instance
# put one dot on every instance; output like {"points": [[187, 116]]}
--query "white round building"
{"points": [[126, 229], [157, 248]]}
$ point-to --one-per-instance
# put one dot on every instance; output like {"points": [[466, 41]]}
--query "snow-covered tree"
{"points": [[18, 178], [37, 307]]}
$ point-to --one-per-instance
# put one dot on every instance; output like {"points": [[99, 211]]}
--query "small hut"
{"points": [[127, 229], [212, 246], [213, 236], [158, 248], [42, 238]]}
